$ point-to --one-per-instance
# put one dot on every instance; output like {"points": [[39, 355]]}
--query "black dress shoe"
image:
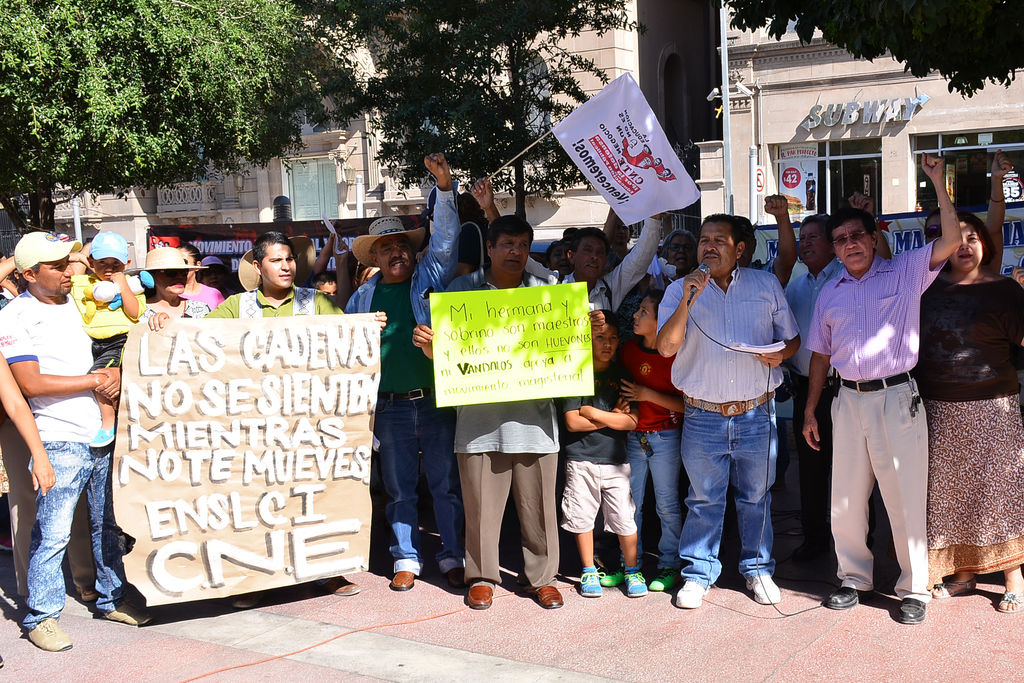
{"points": [[911, 611], [844, 598]]}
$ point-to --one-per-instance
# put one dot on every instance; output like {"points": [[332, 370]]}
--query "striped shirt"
{"points": [[871, 327], [753, 311]]}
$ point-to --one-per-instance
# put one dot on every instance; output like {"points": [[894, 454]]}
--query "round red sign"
{"points": [[791, 177]]}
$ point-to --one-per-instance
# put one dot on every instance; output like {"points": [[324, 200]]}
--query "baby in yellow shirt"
{"points": [[110, 302]]}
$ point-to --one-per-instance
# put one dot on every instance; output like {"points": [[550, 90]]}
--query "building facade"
{"points": [[822, 125]]}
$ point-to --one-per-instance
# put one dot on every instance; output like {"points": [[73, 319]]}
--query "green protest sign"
{"points": [[504, 345]]}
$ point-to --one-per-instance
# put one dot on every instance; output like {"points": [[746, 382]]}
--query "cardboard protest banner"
{"points": [[616, 141], [243, 453], [512, 344]]}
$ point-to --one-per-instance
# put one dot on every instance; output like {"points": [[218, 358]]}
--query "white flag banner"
{"points": [[619, 145]]}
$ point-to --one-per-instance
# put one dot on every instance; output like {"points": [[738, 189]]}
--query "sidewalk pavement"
{"points": [[427, 634]]}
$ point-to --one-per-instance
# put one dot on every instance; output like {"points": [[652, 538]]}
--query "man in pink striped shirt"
{"points": [[867, 325]]}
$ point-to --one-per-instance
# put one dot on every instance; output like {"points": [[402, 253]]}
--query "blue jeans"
{"points": [[661, 458], [78, 468], [718, 450], [404, 429]]}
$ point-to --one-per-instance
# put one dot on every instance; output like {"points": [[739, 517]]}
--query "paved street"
{"points": [[428, 634]]}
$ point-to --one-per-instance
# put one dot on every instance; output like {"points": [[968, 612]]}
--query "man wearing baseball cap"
{"points": [[407, 421], [50, 356]]}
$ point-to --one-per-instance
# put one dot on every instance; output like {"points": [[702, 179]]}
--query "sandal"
{"points": [[950, 589], [1011, 603]]}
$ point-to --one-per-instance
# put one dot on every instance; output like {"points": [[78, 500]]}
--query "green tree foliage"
{"points": [[480, 80], [968, 42], [102, 95]]}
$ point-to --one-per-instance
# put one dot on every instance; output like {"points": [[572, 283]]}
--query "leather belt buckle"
{"points": [[733, 408], [414, 395]]}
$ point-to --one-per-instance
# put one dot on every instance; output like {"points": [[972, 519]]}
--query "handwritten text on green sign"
{"points": [[500, 345]]}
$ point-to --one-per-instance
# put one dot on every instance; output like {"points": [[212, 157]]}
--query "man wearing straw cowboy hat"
{"points": [[269, 272], [407, 421]]}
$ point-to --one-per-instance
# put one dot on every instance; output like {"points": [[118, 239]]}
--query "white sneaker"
{"points": [[765, 590], [690, 596]]}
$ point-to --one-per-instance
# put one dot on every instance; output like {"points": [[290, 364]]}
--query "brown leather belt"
{"points": [[730, 409]]}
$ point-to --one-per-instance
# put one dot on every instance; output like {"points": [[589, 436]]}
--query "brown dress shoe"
{"points": [[457, 577], [548, 597], [480, 596], [403, 581], [339, 585]]}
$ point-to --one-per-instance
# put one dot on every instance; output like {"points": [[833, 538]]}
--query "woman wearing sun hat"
{"points": [[170, 271]]}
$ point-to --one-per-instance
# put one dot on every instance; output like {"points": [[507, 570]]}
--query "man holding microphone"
{"points": [[728, 435]]}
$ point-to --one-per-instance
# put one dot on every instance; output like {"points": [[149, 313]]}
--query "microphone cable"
{"points": [[767, 467]]}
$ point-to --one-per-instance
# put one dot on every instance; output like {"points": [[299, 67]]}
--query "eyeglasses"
{"points": [[855, 236]]}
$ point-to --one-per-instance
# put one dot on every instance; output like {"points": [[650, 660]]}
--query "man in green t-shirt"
{"points": [[407, 420]]}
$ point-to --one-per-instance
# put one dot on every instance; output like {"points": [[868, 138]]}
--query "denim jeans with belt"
{"points": [[405, 428], [718, 450], [660, 456], [78, 468]]}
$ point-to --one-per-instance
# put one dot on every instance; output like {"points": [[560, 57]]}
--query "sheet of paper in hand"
{"points": [[500, 345], [243, 453]]}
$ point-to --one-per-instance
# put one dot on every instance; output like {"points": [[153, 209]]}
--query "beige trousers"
{"points": [[876, 438], [22, 501], [486, 481]]}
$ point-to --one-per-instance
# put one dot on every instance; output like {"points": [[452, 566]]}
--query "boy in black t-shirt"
{"points": [[596, 469]]}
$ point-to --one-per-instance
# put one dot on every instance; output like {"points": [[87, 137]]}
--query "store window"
{"points": [[819, 177], [968, 158], [313, 188]]}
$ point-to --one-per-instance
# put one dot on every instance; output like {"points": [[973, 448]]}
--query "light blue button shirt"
{"points": [[802, 294], [753, 311]]}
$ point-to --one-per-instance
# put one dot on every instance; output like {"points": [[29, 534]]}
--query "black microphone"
{"points": [[703, 267]]}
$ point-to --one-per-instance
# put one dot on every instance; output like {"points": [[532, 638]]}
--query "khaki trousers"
{"points": [[22, 502], [875, 437], [486, 481]]}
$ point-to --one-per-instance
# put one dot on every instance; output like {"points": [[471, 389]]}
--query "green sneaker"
{"points": [[616, 578], [665, 579]]}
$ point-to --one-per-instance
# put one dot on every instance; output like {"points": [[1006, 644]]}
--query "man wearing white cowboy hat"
{"points": [[269, 272], [407, 421]]}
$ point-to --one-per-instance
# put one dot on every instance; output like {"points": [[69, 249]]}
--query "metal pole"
{"points": [[723, 20], [359, 195], [76, 209], [755, 206]]}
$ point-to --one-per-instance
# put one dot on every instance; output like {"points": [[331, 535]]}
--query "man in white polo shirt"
{"points": [[50, 356]]}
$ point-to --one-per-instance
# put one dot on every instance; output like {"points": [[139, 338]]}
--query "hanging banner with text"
{"points": [[615, 139], [516, 344], [243, 453], [906, 231]]}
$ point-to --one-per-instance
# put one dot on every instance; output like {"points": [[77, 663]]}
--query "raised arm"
{"points": [[484, 194], [778, 206], [950, 239], [635, 264], [1001, 165]]}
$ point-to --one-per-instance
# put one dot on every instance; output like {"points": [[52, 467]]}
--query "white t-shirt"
{"points": [[52, 335]]}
